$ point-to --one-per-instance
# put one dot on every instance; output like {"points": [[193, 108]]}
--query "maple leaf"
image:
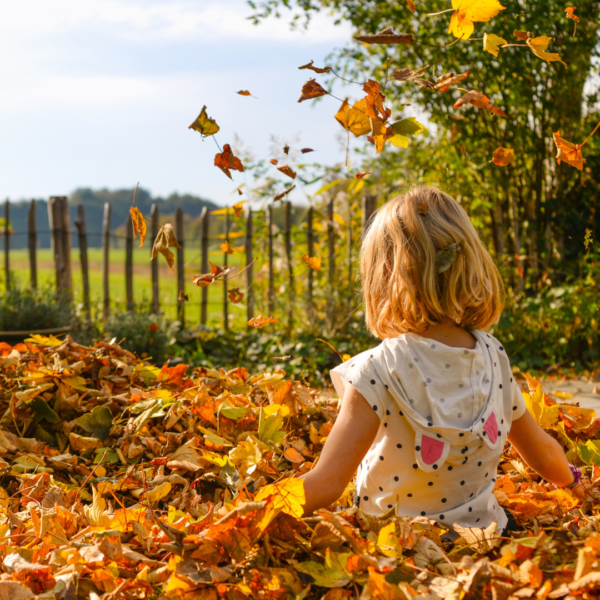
{"points": [[235, 295], [260, 321], [570, 153], [165, 239], [538, 46], [444, 82], [226, 160], [283, 194], [503, 156], [305, 150], [139, 224], [287, 171], [467, 12], [286, 495], [407, 74], [387, 36], [354, 119], [311, 90], [374, 107], [492, 43], [478, 100], [315, 69], [204, 124], [238, 208], [314, 262], [183, 297], [226, 247]]}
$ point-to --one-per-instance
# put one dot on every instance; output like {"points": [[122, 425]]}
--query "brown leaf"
{"points": [[208, 278], [286, 149], [444, 82], [521, 35], [315, 69], [240, 192], [183, 297], [274, 161], [226, 160], [283, 194], [235, 295], [139, 224], [407, 74], [305, 150], [164, 240], [570, 153], [422, 208], [361, 175], [478, 100], [287, 171], [503, 156], [387, 36], [310, 90], [244, 93]]}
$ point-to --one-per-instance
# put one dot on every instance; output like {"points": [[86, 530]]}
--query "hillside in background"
{"points": [[93, 202]]}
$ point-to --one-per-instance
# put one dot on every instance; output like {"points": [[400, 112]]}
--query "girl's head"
{"points": [[402, 288]]}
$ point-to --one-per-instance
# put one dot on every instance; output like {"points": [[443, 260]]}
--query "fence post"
{"points": [[349, 250], [154, 217], [179, 231], [288, 253], [7, 244], [106, 258], [55, 219], [368, 208], [249, 270], [129, 262], [83, 257], [310, 240], [204, 243], [66, 245], [32, 243], [330, 244], [271, 270], [225, 261]]}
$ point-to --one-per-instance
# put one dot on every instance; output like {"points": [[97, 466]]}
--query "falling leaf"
{"points": [[260, 321], [240, 192], [164, 240], [374, 107], [408, 126], [226, 247], [244, 93], [379, 135], [407, 74], [354, 119], [305, 150], [311, 90], [204, 124], [287, 171], [570, 10], [422, 208], [538, 46], [492, 43], [521, 35], [361, 175], [139, 224], [283, 194], [274, 161], [183, 297], [238, 208], [286, 149], [444, 82], [235, 295], [387, 36], [315, 69], [226, 160], [411, 6], [478, 100], [570, 153], [503, 156], [208, 278], [314, 262], [467, 12]]}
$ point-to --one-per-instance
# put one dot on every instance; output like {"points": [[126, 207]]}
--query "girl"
{"points": [[425, 415]]}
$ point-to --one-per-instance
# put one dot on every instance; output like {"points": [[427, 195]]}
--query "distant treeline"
{"points": [[93, 203]]}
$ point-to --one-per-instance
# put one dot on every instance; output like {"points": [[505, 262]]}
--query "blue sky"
{"points": [[99, 93]]}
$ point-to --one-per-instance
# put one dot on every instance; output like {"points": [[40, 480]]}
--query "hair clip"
{"points": [[422, 208], [446, 256]]}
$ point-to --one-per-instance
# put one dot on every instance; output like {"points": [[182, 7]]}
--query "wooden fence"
{"points": [[61, 232]]}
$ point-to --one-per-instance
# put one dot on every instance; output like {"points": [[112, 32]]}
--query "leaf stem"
{"points": [[513, 45], [589, 136], [344, 79], [440, 13]]}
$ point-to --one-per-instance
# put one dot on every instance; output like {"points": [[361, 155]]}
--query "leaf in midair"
{"points": [[387, 36], [478, 100], [260, 321], [139, 224], [407, 74], [379, 134], [570, 10], [445, 257], [503, 156], [274, 161], [311, 90], [374, 107], [226, 160], [98, 422], [235, 295], [287, 171], [444, 82], [315, 69], [164, 240], [226, 247], [354, 119], [183, 297], [286, 149], [570, 153], [521, 35], [361, 175], [467, 12], [411, 6], [408, 126], [305, 150], [215, 273], [244, 93], [538, 46], [492, 43], [204, 124], [238, 208], [314, 262], [283, 194]]}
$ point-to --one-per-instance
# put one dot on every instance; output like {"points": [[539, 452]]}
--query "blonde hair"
{"points": [[402, 288]]}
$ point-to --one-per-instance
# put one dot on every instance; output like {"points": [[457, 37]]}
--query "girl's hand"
{"points": [[586, 491]]}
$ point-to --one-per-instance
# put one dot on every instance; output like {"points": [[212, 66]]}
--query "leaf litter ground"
{"points": [[123, 480]]}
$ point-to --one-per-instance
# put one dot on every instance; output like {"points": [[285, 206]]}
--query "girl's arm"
{"points": [[350, 439], [540, 451]]}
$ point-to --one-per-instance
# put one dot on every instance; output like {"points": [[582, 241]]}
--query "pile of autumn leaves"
{"points": [[123, 480]]}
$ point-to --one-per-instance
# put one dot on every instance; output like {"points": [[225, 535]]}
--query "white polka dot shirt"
{"points": [[445, 414]]}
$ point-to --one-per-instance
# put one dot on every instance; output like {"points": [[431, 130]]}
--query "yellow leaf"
{"points": [[159, 492], [139, 224], [387, 540], [546, 416], [314, 262], [226, 247], [503, 156], [538, 46], [466, 12], [275, 408], [288, 495], [379, 134], [492, 43], [354, 119], [204, 124], [164, 240], [42, 340]]}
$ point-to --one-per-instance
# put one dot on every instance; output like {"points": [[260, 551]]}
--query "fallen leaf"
{"points": [[204, 124], [314, 262], [478, 100], [354, 119], [468, 12], [422, 208], [283, 194], [139, 224], [387, 36], [260, 321], [305, 150], [287, 171], [226, 160], [503, 156], [293, 456], [287, 495], [361, 175], [183, 297], [447, 80], [311, 90], [164, 240], [226, 247], [235, 295], [446, 256], [315, 69], [492, 43], [570, 153]]}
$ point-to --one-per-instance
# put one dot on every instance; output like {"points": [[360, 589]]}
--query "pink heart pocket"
{"points": [[491, 428], [431, 449]]}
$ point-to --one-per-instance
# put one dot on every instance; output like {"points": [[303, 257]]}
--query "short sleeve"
{"points": [[518, 402], [361, 373]]}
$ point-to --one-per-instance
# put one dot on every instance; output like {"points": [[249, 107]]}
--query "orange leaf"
{"points": [[570, 10], [314, 262], [244, 93], [503, 156], [287, 171], [238, 208], [286, 149], [226, 160], [183, 297], [164, 240], [310, 90], [226, 247], [361, 175], [203, 280], [172, 375], [305, 150], [411, 6], [478, 100], [374, 101], [139, 224], [235, 295], [240, 192], [387, 36], [293, 456], [274, 161], [260, 321], [315, 69], [283, 194], [444, 82], [570, 153], [354, 119]]}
